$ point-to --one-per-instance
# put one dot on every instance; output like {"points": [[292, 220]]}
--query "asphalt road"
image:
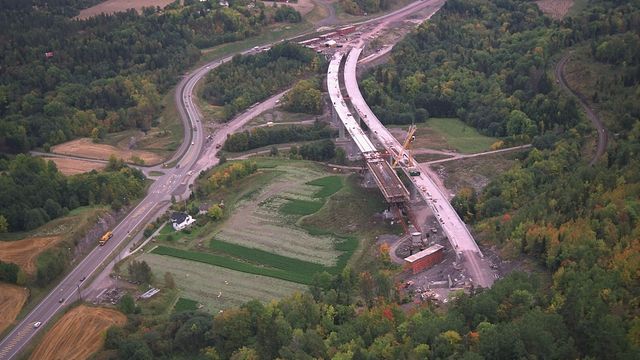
{"points": [[194, 155], [603, 137]]}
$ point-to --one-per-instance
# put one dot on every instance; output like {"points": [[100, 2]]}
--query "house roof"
{"points": [[178, 217]]}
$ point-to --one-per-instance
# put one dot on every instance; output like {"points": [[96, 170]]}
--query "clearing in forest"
{"points": [[447, 134], [556, 9], [78, 334], [85, 147], [25, 252], [113, 6], [12, 298]]}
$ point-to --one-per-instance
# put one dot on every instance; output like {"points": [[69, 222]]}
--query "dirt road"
{"points": [[603, 137]]}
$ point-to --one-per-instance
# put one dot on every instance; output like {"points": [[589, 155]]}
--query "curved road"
{"points": [[603, 137], [193, 156]]}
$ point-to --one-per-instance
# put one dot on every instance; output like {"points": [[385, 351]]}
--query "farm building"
{"points": [[181, 220], [425, 258]]}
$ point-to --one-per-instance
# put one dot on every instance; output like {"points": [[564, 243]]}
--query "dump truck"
{"points": [[103, 240]]}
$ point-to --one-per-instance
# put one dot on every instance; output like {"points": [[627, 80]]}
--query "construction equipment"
{"points": [[103, 240], [403, 157]]}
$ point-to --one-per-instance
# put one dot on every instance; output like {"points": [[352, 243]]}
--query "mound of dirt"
{"points": [[78, 334], [12, 299]]}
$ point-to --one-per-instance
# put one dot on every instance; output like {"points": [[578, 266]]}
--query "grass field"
{"points": [[217, 287], [461, 136], [475, 172], [257, 222], [78, 334], [184, 304], [74, 166], [447, 134], [85, 147], [12, 299]]}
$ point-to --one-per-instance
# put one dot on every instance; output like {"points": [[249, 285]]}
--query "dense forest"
{"points": [[250, 78], [488, 62], [34, 191], [365, 7], [63, 78]]}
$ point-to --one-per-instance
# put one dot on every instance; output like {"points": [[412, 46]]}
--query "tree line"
{"points": [[247, 79], [34, 191], [259, 137]]}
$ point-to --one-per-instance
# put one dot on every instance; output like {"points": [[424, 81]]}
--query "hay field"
{"points": [[12, 298], [25, 252], [85, 147], [75, 166], [218, 288], [78, 334], [113, 6], [259, 223]]}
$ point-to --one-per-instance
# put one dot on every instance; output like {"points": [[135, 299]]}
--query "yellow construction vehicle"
{"points": [[404, 156], [103, 240]]}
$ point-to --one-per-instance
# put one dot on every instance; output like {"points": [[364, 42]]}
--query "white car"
{"points": [[37, 324]]}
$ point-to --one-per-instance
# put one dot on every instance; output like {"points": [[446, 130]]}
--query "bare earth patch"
{"points": [[78, 334], [12, 298], [74, 166], [113, 6], [24, 252], [303, 6], [556, 9], [85, 147]]}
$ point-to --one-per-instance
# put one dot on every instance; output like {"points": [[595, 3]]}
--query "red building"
{"points": [[425, 258]]}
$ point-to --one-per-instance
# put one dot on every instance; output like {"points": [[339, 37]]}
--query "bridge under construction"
{"points": [[385, 177]]}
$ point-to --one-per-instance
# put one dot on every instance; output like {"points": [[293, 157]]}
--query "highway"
{"points": [[194, 155], [459, 236]]}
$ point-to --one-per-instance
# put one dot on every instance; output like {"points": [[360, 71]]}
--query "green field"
{"points": [[460, 136], [184, 304], [258, 242], [216, 287]]}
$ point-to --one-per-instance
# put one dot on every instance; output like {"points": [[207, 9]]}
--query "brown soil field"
{"points": [[556, 9], [78, 334], [112, 6], [12, 298], [85, 147], [303, 6], [24, 252], [74, 166]]}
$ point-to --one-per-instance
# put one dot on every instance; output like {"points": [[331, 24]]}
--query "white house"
{"points": [[181, 220]]}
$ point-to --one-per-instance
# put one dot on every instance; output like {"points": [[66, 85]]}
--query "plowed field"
{"points": [[12, 298], [24, 252], [78, 334]]}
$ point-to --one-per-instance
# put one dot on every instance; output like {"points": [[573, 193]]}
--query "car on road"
{"points": [[61, 300], [193, 143], [83, 278], [37, 324]]}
